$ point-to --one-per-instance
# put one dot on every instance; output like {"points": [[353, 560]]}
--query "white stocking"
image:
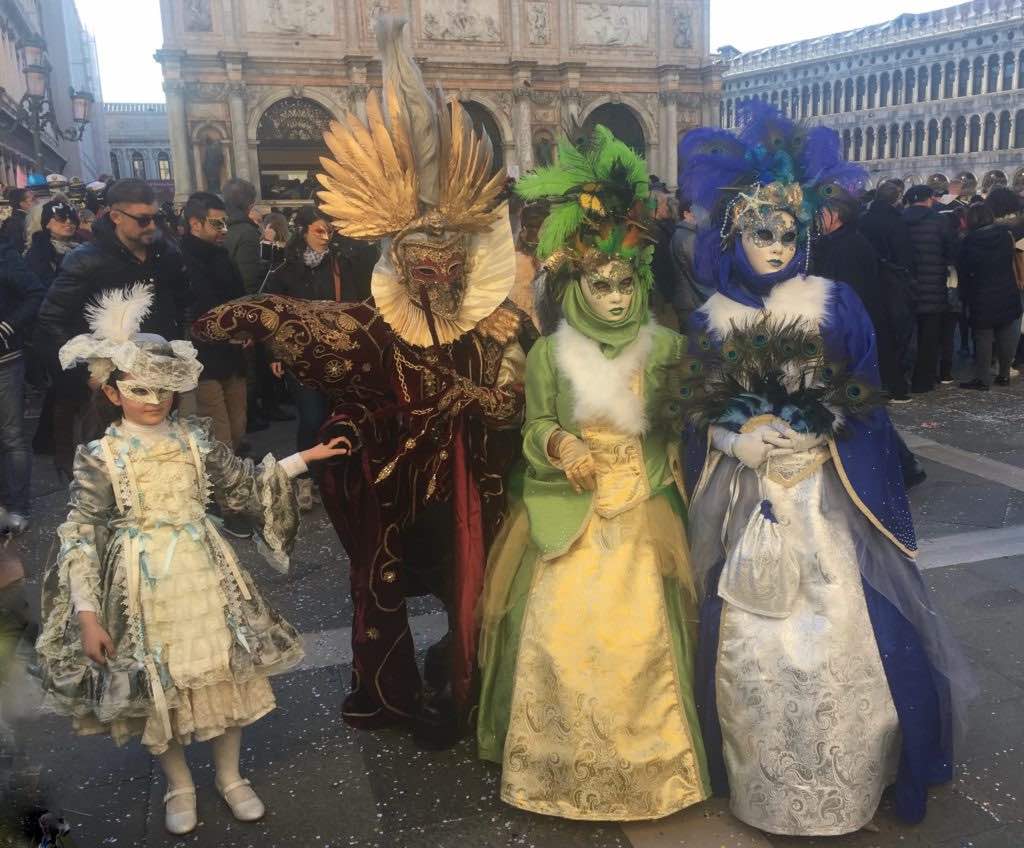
{"points": [[227, 749], [175, 768]]}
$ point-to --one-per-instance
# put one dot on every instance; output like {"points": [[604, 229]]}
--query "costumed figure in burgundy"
{"points": [[425, 378]]}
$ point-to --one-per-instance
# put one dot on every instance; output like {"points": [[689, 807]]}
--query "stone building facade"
{"points": [[933, 93], [140, 145], [251, 84]]}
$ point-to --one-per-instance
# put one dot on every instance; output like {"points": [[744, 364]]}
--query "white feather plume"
{"points": [[117, 314]]}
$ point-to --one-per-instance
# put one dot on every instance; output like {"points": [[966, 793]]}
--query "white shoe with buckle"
{"points": [[245, 804], [183, 819]]}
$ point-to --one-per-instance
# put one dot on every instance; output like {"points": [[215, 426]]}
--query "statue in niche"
{"points": [[682, 19], [198, 17], [212, 161], [537, 20], [543, 151]]}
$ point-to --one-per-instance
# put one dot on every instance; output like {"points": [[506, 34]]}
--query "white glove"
{"points": [[753, 448]]}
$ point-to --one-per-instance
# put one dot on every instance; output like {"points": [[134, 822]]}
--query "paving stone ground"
{"points": [[328, 786]]}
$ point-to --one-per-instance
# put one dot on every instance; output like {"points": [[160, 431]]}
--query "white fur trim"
{"points": [[806, 298], [602, 388]]}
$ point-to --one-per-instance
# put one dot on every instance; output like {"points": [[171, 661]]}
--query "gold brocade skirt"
{"points": [[602, 723]]}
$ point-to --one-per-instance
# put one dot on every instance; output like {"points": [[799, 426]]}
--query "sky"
{"points": [[126, 42]]}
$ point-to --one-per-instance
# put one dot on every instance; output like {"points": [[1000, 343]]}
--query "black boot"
{"points": [[436, 727]]}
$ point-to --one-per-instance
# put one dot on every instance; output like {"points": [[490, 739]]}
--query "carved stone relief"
{"points": [[462, 20], [291, 17], [294, 119], [374, 10], [612, 25], [198, 17], [682, 27], [538, 24]]}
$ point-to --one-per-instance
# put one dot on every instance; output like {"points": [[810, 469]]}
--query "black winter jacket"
{"points": [[987, 283], [104, 264], [12, 232], [213, 280], [20, 296], [884, 227], [934, 251], [43, 259], [243, 247], [354, 261]]}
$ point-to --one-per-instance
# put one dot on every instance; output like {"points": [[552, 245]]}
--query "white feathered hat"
{"points": [[115, 343]]}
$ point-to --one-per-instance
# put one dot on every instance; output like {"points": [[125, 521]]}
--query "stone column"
{"points": [[668, 119], [239, 131], [178, 130], [521, 127], [357, 94]]}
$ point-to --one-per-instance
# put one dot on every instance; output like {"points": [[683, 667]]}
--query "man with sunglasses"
{"points": [[127, 248], [214, 280]]}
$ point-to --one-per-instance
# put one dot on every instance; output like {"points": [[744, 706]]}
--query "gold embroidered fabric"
{"points": [[620, 471], [597, 728]]}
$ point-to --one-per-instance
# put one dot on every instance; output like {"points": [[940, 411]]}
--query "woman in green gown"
{"points": [[588, 615]]}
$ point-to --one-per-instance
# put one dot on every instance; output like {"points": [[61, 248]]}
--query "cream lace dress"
{"points": [[194, 640]]}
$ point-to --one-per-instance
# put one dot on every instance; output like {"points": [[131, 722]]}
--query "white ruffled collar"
{"points": [[490, 275]]}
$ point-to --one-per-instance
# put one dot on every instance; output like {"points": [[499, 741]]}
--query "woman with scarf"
{"points": [[825, 674], [314, 270], [588, 615], [57, 238]]}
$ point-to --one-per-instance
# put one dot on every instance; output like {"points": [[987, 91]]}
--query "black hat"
{"points": [[58, 209], [917, 194]]}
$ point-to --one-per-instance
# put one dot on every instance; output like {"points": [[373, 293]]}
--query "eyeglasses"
{"points": [[217, 223], [64, 214], [145, 220]]}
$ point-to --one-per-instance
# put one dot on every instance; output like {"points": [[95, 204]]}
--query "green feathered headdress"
{"points": [[601, 207]]}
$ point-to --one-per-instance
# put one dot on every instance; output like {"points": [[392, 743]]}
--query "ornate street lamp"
{"points": [[35, 110]]}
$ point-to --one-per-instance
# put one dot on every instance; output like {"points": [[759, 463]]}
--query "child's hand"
{"points": [[338, 446], [96, 642]]}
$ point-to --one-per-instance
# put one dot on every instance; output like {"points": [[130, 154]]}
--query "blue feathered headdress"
{"points": [[770, 160]]}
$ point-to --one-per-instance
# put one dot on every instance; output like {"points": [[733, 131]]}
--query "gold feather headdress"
{"points": [[415, 169]]}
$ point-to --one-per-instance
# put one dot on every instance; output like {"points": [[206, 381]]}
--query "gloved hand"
{"points": [[573, 457], [753, 448], [800, 442]]}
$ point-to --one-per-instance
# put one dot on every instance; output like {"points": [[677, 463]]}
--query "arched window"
{"points": [[922, 84], [846, 145], [882, 145], [848, 98], [960, 135], [775, 98], [861, 92], [837, 97], [897, 88], [919, 138], [963, 78], [869, 143], [883, 89], [933, 137], [163, 166], [815, 99], [947, 136], [978, 75], [1008, 69], [906, 139], [992, 77], [858, 144], [826, 98], [1003, 140], [872, 91], [785, 102], [1018, 128], [909, 84], [974, 134], [894, 141], [989, 140], [936, 87], [138, 166], [1020, 69], [115, 166], [947, 83]]}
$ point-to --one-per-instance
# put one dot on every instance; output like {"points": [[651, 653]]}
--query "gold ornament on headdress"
{"points": [[372, 188]]}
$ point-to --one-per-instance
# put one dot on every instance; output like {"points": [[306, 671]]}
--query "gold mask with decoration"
{"points": [[433, 267]]}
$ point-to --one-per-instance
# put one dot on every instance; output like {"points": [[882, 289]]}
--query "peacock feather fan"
{"points": [[776, 368]]}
